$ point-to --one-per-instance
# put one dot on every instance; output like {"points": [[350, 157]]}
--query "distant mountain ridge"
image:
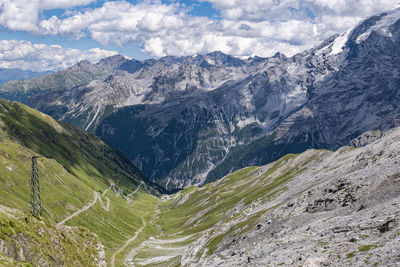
{"points": [[187, 120], [18, 74]]}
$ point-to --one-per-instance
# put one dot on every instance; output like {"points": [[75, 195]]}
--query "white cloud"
{"points": [[40, 57], [246, 28], [167, 30], [281, 9], [23, 15]]}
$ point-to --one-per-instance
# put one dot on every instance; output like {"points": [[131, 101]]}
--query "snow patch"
{"points": [[134, 100], [339, 43], [382, 25]]}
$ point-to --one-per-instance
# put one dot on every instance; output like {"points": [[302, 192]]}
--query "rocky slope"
{"points": [[322, 98], [317, 208], [193, 119]]}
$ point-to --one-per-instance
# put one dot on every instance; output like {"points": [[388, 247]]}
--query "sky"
{"points": [[42, 35]]}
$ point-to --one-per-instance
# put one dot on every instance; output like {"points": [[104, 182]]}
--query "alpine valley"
{"points": [[281, 161]]}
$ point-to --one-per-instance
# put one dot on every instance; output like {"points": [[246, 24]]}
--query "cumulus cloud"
{"points": [[162, 29], [24, 15], [245, 28], [41, 57]]}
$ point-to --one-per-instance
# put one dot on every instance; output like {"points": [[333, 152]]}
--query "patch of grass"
{"points": [[350, 255], [366, 248]]}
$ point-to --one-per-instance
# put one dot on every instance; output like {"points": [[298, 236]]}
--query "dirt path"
{"points": [[137, 189], [88, 206], [138, 231], [105, 191], [156, 213], [85, 208], [134, 192], [103, 205]]}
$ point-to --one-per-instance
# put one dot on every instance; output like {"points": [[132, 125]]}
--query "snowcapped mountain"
{"points": [[186, 120]]}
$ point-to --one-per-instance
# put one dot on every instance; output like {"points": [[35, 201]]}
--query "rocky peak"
{"points": [[112, 63], [220, 59], [83, 64], [131, 66]]}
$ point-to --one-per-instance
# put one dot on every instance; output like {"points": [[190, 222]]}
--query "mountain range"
{"points": [[18, 74], [190, 120]]}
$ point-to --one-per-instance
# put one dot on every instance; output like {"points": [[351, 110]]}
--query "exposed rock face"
{"points": [[193, 119], [366, 138]]}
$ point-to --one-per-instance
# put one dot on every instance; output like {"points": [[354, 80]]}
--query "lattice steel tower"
{"points": [[36, 208]]}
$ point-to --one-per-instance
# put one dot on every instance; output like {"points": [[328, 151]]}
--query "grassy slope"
{"points": [[74, 165], [41, 240], [205, 216]]}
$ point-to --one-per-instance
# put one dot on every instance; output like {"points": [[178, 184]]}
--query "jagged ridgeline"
{"points": [[194, 119], [75, 171]]}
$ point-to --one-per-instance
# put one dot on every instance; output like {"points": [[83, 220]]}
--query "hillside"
{"points": [[197, 131], [83, 181], [28, 241], [316, 208]]}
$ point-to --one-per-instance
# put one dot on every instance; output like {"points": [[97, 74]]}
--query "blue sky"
{"points": [[54, 34]]}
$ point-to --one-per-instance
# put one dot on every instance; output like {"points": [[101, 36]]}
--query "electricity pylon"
{"points": [[36, 208]]}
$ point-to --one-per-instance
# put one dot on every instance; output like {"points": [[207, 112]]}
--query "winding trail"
{"points": [[85, 208], [105, 191], [155, 215], [138, 231], [97, 196], [91, 204], [134, 192], [106, 208], [137, 189]]}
